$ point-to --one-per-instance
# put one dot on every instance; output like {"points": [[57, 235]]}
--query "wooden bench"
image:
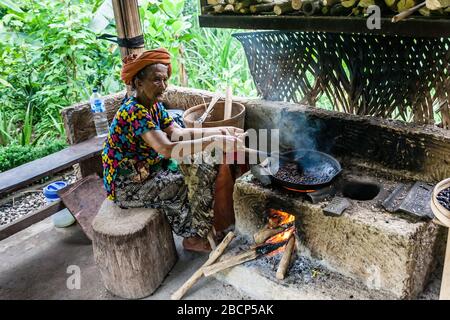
{"points": [[30, 172]]}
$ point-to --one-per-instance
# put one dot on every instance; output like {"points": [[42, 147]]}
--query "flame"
{"points": [[283, 236], [279, 218]]}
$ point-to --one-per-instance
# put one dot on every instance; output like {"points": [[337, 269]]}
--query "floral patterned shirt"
{"points": [[125, 144]]}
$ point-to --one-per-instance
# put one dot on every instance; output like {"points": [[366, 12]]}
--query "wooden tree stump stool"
{"points": [[133, 248]]}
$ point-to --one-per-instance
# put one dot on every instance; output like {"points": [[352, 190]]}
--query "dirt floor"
{"points": [[34, 263]]}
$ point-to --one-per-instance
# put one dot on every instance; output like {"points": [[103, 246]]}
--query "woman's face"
{"points": [[154, 83]]}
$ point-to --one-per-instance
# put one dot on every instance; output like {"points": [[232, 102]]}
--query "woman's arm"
{"points": [[159, 141], [175, 132]]}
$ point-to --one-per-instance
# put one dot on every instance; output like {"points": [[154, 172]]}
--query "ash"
{"points": [[302, 269]]}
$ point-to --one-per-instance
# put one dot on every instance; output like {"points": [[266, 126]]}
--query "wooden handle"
{"points": [[177, 295], [228, 103]]}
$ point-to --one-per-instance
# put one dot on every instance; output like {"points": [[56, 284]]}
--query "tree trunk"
{"points": [[133, 248]]}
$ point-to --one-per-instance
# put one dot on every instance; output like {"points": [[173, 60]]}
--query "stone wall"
{"points": [[420, 152]]}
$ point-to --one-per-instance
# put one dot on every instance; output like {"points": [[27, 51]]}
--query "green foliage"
{"points": [[14, 155], [50, 59]]}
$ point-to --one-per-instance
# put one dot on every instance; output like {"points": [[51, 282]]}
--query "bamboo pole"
{"points": [[128, 25]]}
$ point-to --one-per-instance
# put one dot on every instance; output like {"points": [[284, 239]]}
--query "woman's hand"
{"points": [[227, 143], [230, 131]]}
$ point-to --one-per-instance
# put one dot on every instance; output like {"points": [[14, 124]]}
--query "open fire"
{"points": [[278, 236], [279, 232]]}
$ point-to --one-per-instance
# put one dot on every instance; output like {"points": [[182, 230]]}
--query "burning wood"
{"points": [[262, 235], [279, 218], [242, 257], [286, 259], [274, 241]]}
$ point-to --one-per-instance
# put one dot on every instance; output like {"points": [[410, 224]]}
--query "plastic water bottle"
{"points": [[99, 113]]}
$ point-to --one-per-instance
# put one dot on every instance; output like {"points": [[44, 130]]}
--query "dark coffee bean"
{"points": [[444, 198]]}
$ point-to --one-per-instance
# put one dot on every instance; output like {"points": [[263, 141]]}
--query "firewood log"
{"points": [[286, 259], [199, 273], [231, 262], [265, 233], [437, 4], [330, 3], [310, 8], [244, 4], [231, 2], [391, 4], [366, 3], [349, 3], [404, 5], [218, 8], [281, 8], [296, 4], [216, 2], [424, 11], [228, 8], [265, 7], [248, 255]]}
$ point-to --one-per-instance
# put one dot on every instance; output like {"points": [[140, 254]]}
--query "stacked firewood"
{"points": [[325, 7]]}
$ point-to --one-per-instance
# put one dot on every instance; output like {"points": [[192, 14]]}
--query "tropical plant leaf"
{"points": [[10, 5]]}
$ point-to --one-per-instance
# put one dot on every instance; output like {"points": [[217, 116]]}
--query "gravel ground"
{"points": [[22, 202]]}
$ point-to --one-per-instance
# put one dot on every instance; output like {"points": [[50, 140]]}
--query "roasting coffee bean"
{"points": [[289, 173], [444, 198]]}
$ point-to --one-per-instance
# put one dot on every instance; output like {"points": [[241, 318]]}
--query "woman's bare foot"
{"points": [[196, 244]]}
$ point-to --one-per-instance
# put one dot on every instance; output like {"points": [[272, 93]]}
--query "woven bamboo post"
{"points": [[128, 25]]}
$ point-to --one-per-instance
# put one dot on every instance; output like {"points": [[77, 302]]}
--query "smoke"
{"points": [[298, 131]]}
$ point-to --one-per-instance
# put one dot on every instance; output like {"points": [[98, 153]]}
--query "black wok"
{"points": [[318, 169]]}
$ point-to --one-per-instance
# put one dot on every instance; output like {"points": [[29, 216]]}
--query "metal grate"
{"points": [[379, 75]]}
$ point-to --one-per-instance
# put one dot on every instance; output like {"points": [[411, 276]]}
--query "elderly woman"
{"points": [[138, 157]]}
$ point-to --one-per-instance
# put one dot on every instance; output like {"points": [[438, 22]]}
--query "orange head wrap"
{"points": [[133, 63]]}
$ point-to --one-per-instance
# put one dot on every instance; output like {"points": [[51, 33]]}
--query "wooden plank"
{"points": [[411, 27], [27, 173], [30, 219]]}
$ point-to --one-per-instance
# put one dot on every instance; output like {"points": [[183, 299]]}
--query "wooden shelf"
{"points": [[411, 27]]}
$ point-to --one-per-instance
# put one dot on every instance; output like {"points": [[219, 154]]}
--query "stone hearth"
{"points": [[392, 254]]}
